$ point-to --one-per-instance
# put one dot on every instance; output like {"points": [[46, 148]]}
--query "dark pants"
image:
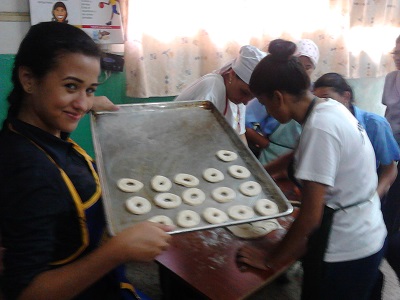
{"points": [[351, 279], [393, 252], [391, 215], [356, 279]]}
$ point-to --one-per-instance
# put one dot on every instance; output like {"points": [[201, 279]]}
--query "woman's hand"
{"points": [[253, 256], [102, 103], [141, 242]]}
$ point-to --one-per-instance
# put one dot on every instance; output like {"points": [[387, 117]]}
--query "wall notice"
{"points": [[101, 20]]}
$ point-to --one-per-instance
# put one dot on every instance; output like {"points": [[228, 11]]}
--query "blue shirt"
{"points": [[381, 136], [256, 114]]}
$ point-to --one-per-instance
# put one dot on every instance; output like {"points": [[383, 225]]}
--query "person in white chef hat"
{"points": [[228, 88], [308, 54]]}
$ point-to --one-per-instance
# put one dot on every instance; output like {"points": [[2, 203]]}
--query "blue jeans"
{"points": [[350, 280]]}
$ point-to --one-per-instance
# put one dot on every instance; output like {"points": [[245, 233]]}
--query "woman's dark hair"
{"points": [[57, 5], [279, 70], [336, 82], [40, 50]]}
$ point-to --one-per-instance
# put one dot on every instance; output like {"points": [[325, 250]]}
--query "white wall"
{"points": [[13, 32]]}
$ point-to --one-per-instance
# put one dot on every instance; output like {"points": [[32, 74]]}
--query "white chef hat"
{"points": [[243, 65], [308, 48]]}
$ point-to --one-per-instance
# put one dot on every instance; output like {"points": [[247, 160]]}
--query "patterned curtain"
{"points": [[169, 44]]}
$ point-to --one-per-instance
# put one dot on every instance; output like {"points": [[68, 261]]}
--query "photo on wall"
{"points": [[101, 20]]}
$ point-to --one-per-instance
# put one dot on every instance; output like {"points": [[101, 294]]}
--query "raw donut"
{"points": [[213, 175], [129, 185], [250, 188], [240, 212], [188, 218], [214, 216], [167, 200], [138, 205], [186, 180], [266, 207], [193, 196], [223, 194], [161, 183], [255, 229], [239, 172], [226, 155], [162, 220]]}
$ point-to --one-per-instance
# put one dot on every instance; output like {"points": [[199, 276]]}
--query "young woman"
{"points": [[391, 204], [52, 224], [340, 226], [387, 152], [265, 135]]}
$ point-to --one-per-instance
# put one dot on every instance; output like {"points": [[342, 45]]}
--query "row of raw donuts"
{"points": [[191, 196], [161, 183], [189, 218]]}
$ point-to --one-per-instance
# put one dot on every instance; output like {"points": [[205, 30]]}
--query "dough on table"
{"points": [[186, 180], [193, 196], [138, 205], [213, 175], [129, 185], [161, 183], [239, 172], [214, 215], [167, 200], [266, 207], [250, 188], [240, 212], [255, 229], [226, 155], [223, 194], [161, 219], [187, 218]]}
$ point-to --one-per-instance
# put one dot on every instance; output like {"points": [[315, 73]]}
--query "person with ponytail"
{"points": [[339, 233], [52, 222]]}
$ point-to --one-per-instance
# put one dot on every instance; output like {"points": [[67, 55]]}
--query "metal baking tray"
{"points": [[143, 140]]}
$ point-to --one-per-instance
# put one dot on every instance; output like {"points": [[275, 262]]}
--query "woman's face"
{"points": [[238, 91], [60, 14], [63, 96], [329, 92], [396, 56], [307, 64], [275, 108]]}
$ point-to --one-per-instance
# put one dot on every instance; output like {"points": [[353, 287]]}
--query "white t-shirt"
{"points": [[335, 151], [211, 87]]}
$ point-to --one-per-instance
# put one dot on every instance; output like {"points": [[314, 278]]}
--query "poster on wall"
{"points": [[101, 20]]}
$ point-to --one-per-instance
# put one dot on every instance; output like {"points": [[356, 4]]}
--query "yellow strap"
{"points": [[80, 207], [89, 160], [81, 217], [128, 286]]}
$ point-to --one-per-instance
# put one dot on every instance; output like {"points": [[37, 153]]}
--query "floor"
{"points": [[145, 278]]}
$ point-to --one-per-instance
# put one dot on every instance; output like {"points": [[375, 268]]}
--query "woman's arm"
{"points": [[254, 138], [386, 177], [294, 244], [278, 167], [142, 242]]}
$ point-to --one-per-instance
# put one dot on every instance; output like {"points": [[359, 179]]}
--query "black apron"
{"points": [[313, 260]]}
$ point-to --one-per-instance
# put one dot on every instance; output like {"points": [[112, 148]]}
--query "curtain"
{"points": [[171, 43]]}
